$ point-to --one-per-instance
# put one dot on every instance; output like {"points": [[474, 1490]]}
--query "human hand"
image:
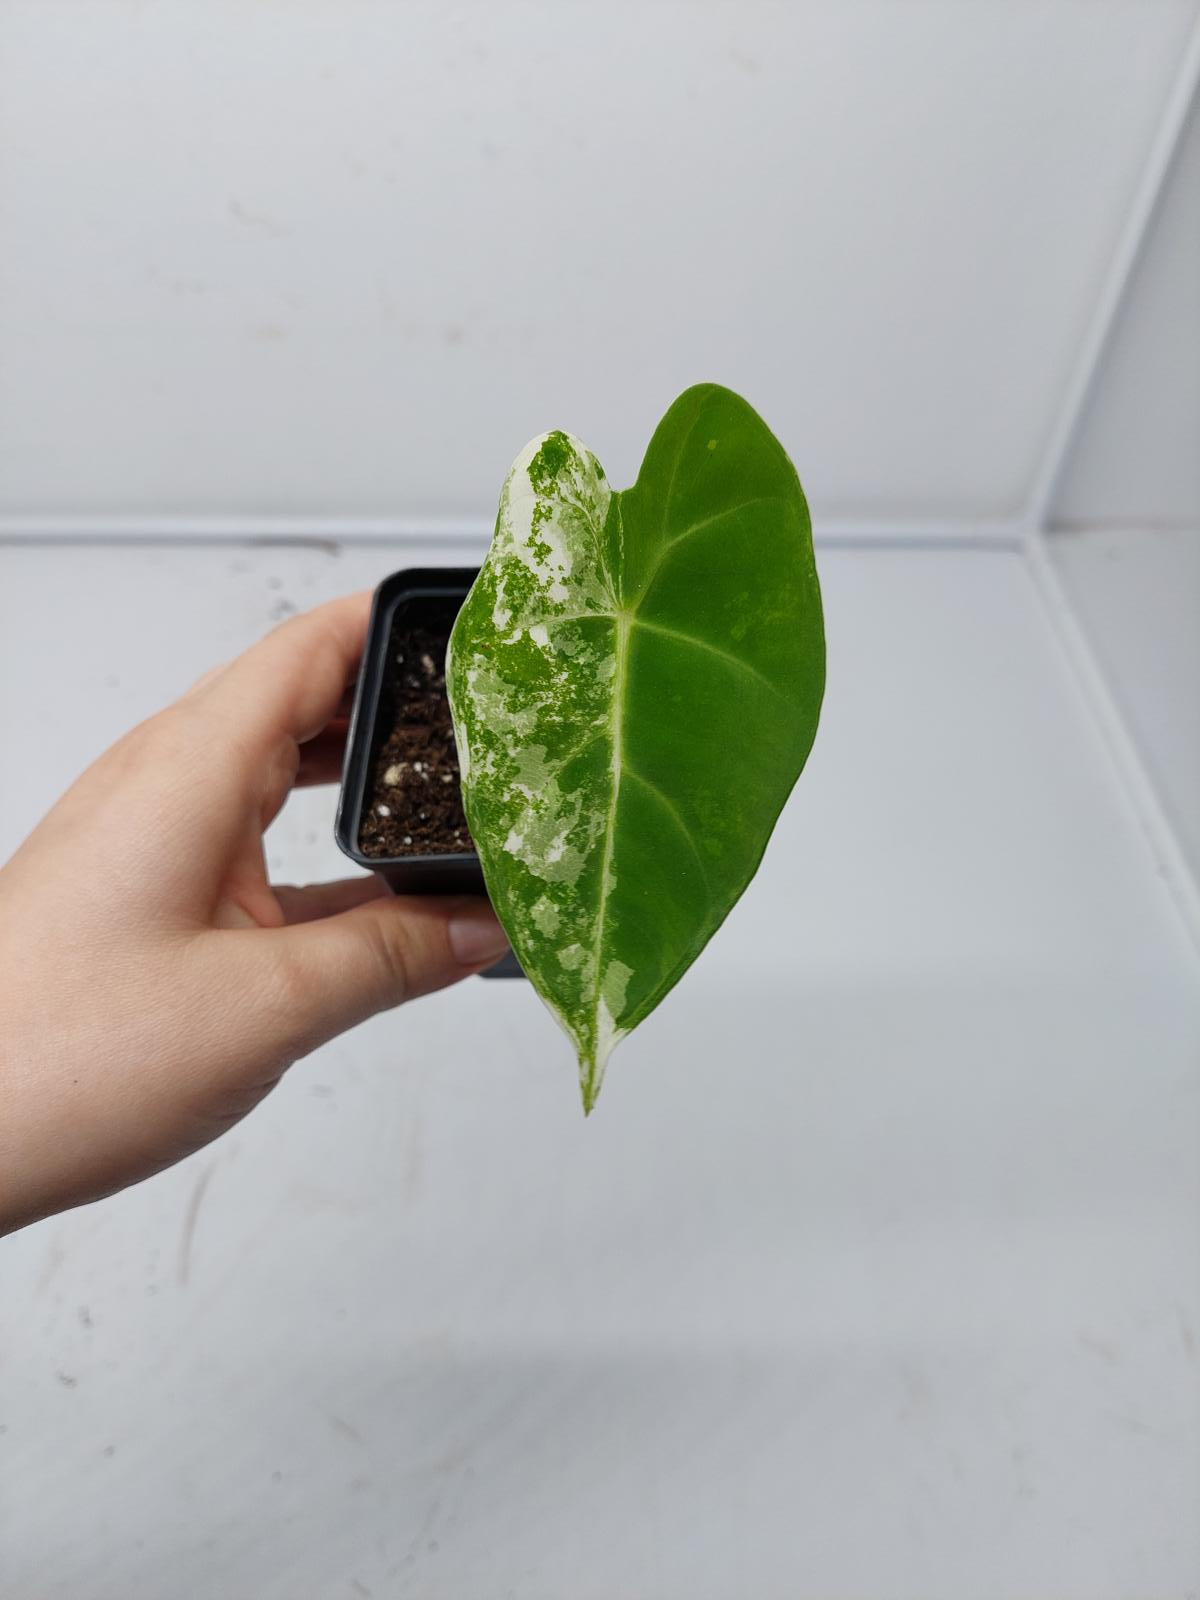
{"points": [[153, 984]]}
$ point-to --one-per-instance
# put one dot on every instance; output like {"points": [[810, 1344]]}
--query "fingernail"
{"points": [[476, 936]]}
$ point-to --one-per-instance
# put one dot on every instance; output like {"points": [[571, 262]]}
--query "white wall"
{"points": [[1136, 595], [340, 257], [1126, 516], [1136, 458]]}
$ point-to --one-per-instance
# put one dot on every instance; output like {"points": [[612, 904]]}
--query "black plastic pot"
{"points": [[428, 597]]}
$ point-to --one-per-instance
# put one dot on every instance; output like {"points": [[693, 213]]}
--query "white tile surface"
{"points": [[877, 1272]]}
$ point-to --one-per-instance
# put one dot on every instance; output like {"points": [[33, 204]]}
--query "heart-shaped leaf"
{"points": [[635, 679]]}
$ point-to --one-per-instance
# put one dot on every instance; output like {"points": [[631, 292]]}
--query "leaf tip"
{"points": [[589, 1085], [591, 1077]]}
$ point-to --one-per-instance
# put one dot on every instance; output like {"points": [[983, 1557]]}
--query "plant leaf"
{"points": [[635, 680]]}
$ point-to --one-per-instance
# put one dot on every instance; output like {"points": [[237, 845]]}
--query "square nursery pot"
{"points": [[399, 811]]}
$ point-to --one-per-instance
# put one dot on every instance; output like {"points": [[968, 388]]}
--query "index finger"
{"points": [[291, 683]]}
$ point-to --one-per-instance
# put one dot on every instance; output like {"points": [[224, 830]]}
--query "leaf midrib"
{"points": [[616, 734], [624, 620]]}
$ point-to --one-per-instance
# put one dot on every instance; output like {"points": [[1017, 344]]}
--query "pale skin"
{"points": [[154, 985]]}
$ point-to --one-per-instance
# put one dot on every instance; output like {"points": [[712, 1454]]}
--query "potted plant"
{"points": [[633, 681], [400, 810]]}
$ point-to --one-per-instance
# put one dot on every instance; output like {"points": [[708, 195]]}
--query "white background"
{"points": [[874, 1273], [1136, 461], [342, 257], [877, 1272]]}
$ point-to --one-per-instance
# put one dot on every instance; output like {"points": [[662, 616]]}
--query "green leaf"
{"points": [[635, 679]]}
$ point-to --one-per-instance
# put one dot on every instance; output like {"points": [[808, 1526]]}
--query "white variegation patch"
{"points": [[524, 725]]}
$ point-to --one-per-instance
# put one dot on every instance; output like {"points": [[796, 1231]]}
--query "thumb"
{"points": [[342, 969]]}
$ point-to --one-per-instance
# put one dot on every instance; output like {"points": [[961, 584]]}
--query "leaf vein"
{"points": [[673, 811], [601, 1047], [712, 650], [705, 522], [698, 527]]}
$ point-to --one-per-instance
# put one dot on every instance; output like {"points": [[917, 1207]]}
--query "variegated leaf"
{"points": [[635, 680]]}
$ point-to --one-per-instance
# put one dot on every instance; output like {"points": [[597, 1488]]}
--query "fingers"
{"points": [[292, 683], [321, 758], [341, 969], [205, 678], [327, 899]]}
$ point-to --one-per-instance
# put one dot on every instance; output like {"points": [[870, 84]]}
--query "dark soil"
{"points": [[413, 806]]}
